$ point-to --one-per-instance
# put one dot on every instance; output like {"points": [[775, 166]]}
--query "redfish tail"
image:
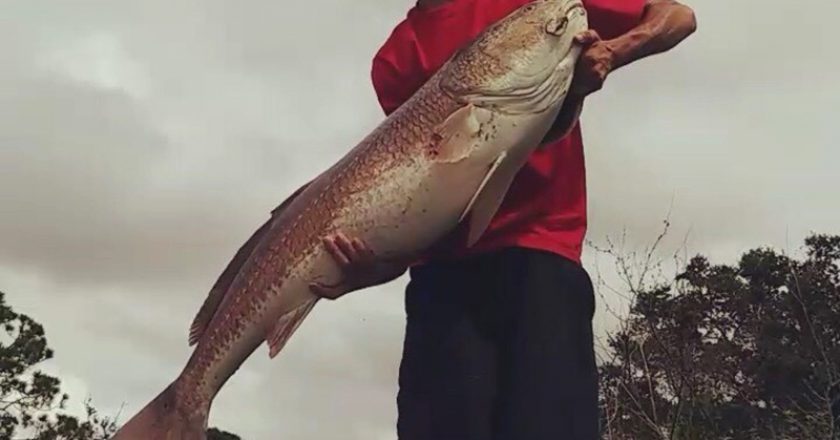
{"points": [[164, 419]]}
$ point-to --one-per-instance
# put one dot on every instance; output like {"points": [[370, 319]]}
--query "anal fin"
{"points": [[286, 327]]}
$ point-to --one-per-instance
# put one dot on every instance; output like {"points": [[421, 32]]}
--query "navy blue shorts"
{"points": [[499, 347]]}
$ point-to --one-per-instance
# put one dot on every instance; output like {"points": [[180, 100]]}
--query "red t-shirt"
{"points": [[545, 207]]}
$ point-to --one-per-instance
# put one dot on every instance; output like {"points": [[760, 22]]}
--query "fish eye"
{"points": [[556, 26]]}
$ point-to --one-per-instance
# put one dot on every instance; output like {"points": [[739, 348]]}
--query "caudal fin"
{"points": [[164, 419]]}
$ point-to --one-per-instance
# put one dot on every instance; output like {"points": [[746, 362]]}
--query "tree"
{"points": [[744, 351], [31, 402]]}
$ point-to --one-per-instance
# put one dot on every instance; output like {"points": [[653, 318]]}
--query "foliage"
{"points": [[743, 351], [723, 351], [31, 401]]}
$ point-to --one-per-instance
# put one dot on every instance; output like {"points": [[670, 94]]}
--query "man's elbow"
{"points": [[686, 20], [689, 19], [680, 16]]}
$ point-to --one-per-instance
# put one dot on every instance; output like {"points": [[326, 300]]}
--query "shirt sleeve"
{"points": [[389, 87], [612, 18]]}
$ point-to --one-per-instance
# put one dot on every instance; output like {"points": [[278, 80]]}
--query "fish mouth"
{"points": [[576, 7], [534, 89], [564, 15]]}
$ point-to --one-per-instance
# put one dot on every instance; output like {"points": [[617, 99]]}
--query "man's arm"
{"points": [[664, 24]]}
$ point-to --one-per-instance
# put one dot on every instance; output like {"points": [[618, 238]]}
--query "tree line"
{"points": [[748, 351]]}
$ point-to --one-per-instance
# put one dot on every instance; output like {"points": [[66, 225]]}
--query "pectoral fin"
{"points": [[487, 177], [458, 136]]}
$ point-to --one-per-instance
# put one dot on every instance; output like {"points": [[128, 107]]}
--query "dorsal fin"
{"points": [[223, 283]]}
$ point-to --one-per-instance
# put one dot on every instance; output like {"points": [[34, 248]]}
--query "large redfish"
{"points": [[447, 155]]}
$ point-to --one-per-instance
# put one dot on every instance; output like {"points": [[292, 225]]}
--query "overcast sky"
{"points": [[142, 142]]}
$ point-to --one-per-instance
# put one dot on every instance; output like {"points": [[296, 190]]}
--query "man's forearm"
{"points": [[665, 24]]}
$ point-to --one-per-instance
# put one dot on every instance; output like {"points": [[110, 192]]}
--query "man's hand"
{"points": [[664, 24], [360, 267], [594, 64]]}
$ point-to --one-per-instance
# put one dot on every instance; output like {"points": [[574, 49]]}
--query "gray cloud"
{"points": [[141, 143], [732, 127]]}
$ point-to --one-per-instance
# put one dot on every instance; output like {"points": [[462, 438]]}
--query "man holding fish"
{"points": [[476, 180], [499, 341]]}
